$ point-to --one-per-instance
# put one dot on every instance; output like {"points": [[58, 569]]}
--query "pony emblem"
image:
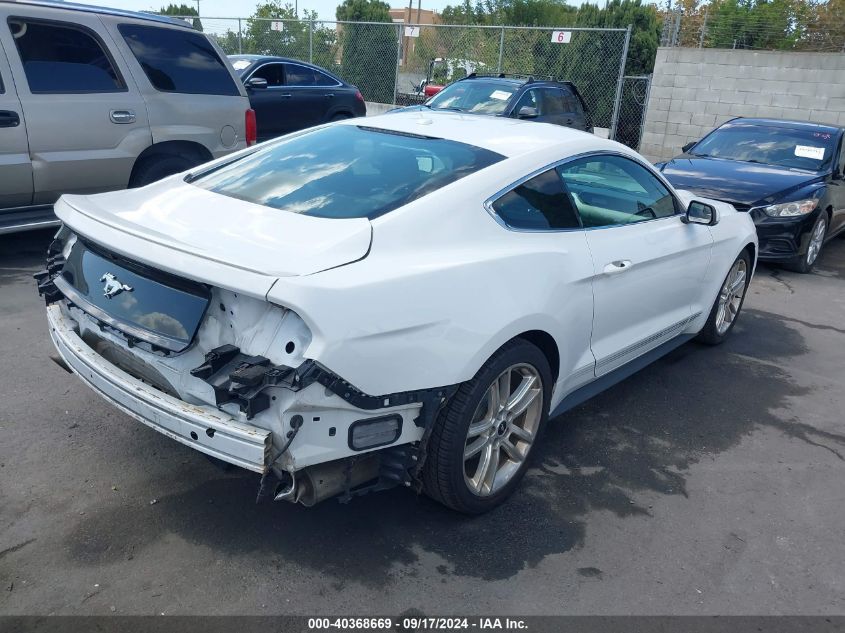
{"points": [[113, 286]]}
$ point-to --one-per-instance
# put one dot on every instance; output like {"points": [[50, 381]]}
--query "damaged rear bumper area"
{"points": [[204, 428], [227, 376]]}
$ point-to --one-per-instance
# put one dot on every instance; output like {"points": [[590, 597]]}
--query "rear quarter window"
{"points": [[178, 60]]}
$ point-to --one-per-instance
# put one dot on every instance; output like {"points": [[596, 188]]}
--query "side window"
{"points": [[322, 79], [553, 102], [611, 190], [296, 75], [273, 73], [537, 204], [570, 101], [178, 60], [529, 99], [63, 58]]}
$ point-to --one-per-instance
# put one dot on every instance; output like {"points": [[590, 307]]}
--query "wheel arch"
{"points": [[183, 149], [546, 343]]}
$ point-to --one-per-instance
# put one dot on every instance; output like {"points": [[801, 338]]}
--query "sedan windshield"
{"points": [[478, 97], [809, 149], [346, 171]]}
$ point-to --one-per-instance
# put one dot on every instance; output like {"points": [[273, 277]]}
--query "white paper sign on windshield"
{"points": [[808, 151], [501, 95]]}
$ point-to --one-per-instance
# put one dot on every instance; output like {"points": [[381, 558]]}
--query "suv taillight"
{"points": [[359, 96], [251, 127]]}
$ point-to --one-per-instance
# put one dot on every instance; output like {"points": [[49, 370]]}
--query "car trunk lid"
{"points": [[191, 224]]}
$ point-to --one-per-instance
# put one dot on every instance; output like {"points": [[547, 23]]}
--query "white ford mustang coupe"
{"points": [[398, 301]]}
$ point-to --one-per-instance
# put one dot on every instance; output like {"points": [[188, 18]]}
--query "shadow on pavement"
{"points": [[641, 435]]}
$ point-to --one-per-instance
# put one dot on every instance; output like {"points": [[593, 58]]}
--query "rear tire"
{"points": [[728, 303], [481, 442], [155, 168], [340, 117]]}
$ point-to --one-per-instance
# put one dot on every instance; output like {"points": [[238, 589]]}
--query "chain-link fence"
{"points": [[392, 62], [632, 107], [804, 26]]}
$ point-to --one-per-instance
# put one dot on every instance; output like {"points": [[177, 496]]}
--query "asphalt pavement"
{"points": [[709, 483]]}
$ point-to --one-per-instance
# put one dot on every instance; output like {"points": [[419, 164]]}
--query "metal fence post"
{"points": [[398, 60], [311, 41], [240, 38], [703, 31], [501, 49], [618, 101]]}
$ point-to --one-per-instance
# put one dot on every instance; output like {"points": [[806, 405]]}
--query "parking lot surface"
{"points": [[709, 483]]}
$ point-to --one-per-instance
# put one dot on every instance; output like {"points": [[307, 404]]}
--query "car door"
{"points": [[649, 264], [273, 106], [540, 212], [310, 102], [86, 121], [15, 166]]}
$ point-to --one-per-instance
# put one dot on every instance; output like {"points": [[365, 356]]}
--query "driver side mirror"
{"points": [[701, 213], [688, 146], [258, 83], [527, 112]]}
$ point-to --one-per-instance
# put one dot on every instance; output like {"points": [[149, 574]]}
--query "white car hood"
{"points": [[179, 227]]}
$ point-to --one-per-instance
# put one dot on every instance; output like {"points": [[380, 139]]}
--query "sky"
{"points": [[244, 8]]}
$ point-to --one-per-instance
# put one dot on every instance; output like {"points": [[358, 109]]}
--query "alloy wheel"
{"points": [[816, 241], [730, 296], [503, 429]]}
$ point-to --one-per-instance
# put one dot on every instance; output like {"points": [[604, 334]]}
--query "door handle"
{"points": [[8, 118], [285, 95], [619, 266], [122, 116], [330, 96]]}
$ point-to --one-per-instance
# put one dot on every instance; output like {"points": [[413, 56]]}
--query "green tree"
{"points": [[590, 59], [183, 11], [302, 38], [368, 50]]}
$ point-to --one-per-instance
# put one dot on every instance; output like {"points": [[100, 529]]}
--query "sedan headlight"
{"points": [[791, 209]]}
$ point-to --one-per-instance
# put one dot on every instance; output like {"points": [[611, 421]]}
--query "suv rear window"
{"points": [[62, 58], [346, 171], [178, 60]]}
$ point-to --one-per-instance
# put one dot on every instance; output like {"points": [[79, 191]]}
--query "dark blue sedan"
{"points": [[289, 95], [787, 174]]}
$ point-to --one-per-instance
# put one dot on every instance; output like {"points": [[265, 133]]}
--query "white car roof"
{"points": [[508, 137]]}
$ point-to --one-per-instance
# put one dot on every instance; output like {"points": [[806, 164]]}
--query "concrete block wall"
{"points": [[694, 90]]}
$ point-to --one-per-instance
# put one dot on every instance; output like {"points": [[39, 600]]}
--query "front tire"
{"points": [[481, 441], [728, 302], [805, 263]]}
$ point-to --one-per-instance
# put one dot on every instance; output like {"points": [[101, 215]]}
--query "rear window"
{"points": [[346, 171], [178, 60]]}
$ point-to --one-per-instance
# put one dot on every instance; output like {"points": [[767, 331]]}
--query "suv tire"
{"points": [[155, 168]]}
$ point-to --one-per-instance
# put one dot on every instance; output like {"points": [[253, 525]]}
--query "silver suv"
{"points": [[95, 99]]}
